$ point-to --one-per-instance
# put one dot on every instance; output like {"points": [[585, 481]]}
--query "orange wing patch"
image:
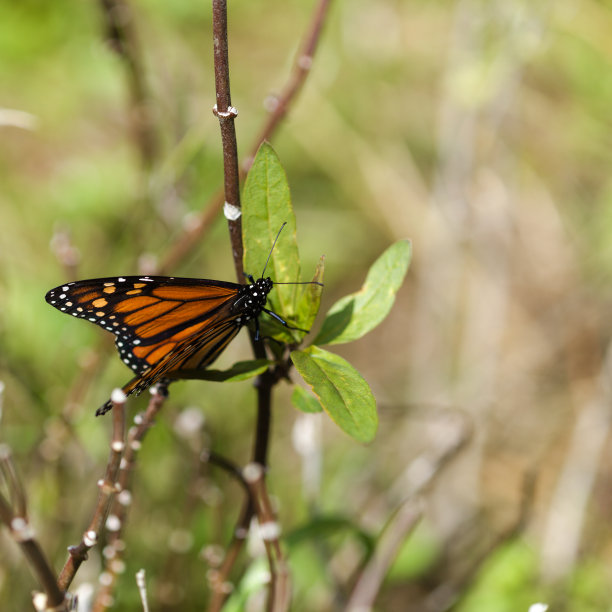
{"points": [[128, 305], [155, 311], [188, 311], [205, 292], [153, 354]]}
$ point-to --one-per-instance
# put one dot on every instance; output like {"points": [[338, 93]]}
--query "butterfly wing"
{"points": [[197, 352], [161, 323]]}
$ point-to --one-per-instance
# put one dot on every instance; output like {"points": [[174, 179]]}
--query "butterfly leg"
{"points": [[283, 322], [104, 408]]}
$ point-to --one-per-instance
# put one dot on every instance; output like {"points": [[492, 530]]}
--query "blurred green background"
{"points": [[478, 129]]}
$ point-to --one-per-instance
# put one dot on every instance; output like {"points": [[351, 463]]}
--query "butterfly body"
{"points": [[164, 324]]}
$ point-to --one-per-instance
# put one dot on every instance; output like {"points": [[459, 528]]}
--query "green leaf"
{"points": [[327, 526], [303, 401], [266, 205], [342, 391], [242, 370], [256, 578], [356, 314], [309, 303]]}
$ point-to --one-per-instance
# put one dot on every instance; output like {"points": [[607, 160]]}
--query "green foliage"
{"points": [[341, 390], [305, 402], [255, 579], [507, 583], [308, 305], [356, 314], [241, 370], [416, 555], [266, 206], [323, 527]]}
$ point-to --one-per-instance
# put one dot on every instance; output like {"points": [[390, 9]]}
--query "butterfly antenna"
{"points": [[270, 253]]}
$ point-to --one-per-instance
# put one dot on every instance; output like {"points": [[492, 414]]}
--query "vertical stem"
{"points": [[226, 114], [231, 178], [264, 418]]}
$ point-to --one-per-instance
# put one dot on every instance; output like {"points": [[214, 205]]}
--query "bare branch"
{"points": [[455, 432], [14, 516], [405, 519], [142, 589], [225, 464], [117, 519], [226, 114], [269, 529], [108, 488], [190, 238], [301, 68], [121, 36]]}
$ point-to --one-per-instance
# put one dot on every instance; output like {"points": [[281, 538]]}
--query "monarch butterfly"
{"points": [[165, 324]]}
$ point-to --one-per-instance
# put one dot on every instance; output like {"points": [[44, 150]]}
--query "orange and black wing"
{"points": [[162, 324]]}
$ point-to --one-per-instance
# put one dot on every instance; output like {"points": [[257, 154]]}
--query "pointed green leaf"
{"points": [[266, 205], [309, 303], [303, 401], [342, 391], [356, 314]]}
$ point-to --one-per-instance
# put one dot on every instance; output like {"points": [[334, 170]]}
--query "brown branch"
{"points": [[14, 515], [406, 516], [190, 238], [269, 530], [121, 36], [226, 114], [218, 579], [108, 488], [118, 515], [397, 529], [301, 68], [225, 464]]}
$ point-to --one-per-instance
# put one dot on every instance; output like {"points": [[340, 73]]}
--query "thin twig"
{"points": [[219, 578], [303, 62], [225, 464], [141, 582], [121, 36], [108, 488], [304, 59], [14, 516], [269, 530], [419, 477], [404, 520], [118, 515]]}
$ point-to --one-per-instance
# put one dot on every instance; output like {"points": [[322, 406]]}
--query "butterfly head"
{"points": [[258, 293], [252, 299]]}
